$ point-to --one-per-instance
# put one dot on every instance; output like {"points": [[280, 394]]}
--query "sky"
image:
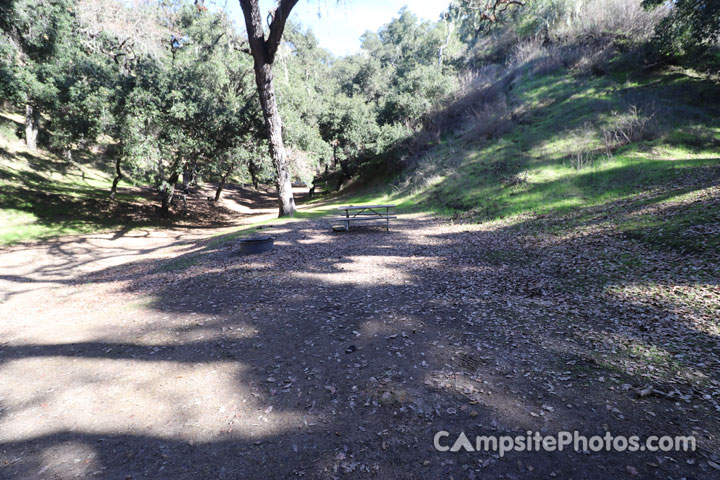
{"points": [[338, 25]]}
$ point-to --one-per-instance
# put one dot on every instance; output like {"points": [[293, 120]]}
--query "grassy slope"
{"points": [[42, 196], [663, 190], [524, 172]]}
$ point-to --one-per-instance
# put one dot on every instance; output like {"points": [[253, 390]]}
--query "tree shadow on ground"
{"points": [[78, 205], [343, 354], [264, 197]]}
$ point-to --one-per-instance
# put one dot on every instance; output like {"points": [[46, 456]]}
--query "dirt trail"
{"points": [[162, 354]]}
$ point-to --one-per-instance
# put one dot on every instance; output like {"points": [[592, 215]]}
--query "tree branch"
{"points": [[277, 26], [253, 25], [489, 10]]}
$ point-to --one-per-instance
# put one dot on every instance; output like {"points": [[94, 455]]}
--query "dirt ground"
{"points": [[167, 355]]}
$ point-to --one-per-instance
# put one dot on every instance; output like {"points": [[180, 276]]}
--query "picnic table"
{"points": [[357, 213]]}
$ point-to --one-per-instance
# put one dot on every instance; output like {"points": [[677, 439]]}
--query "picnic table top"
{"points": [[360, 207]]}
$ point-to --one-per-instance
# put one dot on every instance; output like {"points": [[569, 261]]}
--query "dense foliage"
{"points": [[177, 95], [691, 33], [168, 85]]}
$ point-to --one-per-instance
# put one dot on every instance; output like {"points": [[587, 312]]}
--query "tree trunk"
{"points": [[253, 174], [169, 193], [263, 52], [263, 78], [186, 178], [118, 177], [193, 177], [340, 181], [449, 23], [345, 174], [223, 180], [311, 192], [32, 122]]}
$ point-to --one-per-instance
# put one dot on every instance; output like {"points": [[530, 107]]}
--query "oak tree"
{"points": [[263, 49]]}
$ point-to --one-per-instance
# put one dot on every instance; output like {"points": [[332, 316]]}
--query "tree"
{"points": [[82, 109], [349, 125], [488, 10], [475, 17], [191, 106], [302, 103], [37, 34], [208, 98], [690, 31], [263, 51]]}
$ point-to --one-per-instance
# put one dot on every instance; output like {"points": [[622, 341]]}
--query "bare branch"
{"points": [[490, 9]]}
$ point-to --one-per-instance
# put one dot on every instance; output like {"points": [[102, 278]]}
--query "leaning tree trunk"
{"points": [[193, 177], [118, 177], [32, 122], [187, 175], [263, 52], [345, 174], [224, 178]]}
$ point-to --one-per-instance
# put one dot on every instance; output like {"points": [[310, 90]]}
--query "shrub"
{"points": [[596, 19], [593, 59], [536, 57], [585, 140], [416, 93], [629, 127], [689, 33], [489, 120], [476, 88]]}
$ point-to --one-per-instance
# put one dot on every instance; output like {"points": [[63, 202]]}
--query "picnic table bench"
{"points": [[360, 213]]}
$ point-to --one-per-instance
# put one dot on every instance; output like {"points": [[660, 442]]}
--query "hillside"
{"points": [[551, 267], [656, 177], [44, 195]]}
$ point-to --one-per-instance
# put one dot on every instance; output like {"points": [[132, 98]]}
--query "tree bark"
{"points": [[189, 177], [263, 52], [335, 158], [223, 180], [449, 27], [311, 192], [193, 177], [186, 178], [253, 174], [118, 177], [169, 193], [32, 122]]}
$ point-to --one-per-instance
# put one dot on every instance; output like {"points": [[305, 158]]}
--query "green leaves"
{"points": [[691, 31], [416, 93], [107, 68]]}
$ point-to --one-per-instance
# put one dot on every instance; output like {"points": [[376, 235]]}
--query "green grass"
{"points": [[43, 196], [679, 226], [525, 172], [528, 171]]}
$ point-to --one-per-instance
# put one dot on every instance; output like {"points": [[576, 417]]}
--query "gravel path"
{"points": [[162, 354]]}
